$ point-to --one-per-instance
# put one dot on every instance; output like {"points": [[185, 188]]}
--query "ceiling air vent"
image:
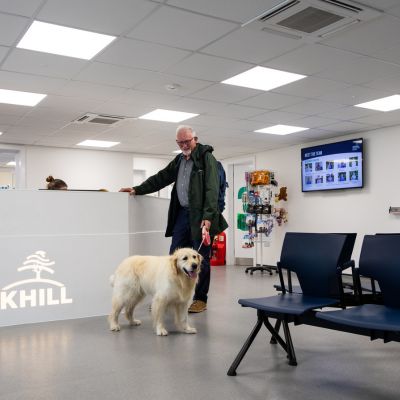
{"points": [[311, 19], [102, 119]]}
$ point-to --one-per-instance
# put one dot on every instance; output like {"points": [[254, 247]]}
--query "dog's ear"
{"points": [[174, 263], [201, 258]]}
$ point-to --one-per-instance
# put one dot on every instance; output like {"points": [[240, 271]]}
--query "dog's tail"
{"points": [[112, 279]]}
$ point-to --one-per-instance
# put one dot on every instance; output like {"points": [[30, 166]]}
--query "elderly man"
{"points": [[194, 203]]}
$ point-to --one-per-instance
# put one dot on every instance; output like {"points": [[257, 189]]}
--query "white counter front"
{"points": [[58, 249]]}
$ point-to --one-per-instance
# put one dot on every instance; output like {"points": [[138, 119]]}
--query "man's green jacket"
{"points": [[203, 191]]}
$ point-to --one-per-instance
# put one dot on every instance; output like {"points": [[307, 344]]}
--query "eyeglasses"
{"points": [[184, 142]]}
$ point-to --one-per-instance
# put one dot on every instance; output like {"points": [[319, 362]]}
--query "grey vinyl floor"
{"points": [[81, 359]]}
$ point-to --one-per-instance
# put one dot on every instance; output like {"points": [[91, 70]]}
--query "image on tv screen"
{"points": [[332, 166]]}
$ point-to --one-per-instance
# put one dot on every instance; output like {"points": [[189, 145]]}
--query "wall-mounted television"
{"points": [[332, 166]]}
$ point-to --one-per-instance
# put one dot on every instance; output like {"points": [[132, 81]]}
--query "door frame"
{"points": [[229, 212], [20, 163]]}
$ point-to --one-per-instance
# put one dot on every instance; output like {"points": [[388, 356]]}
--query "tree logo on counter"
{"points": [[14, 296]]}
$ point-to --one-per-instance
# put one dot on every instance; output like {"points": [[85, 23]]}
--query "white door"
{"points": [[242, 255]]}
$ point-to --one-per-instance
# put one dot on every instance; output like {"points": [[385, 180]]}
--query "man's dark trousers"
{"points": [[182, 237]]}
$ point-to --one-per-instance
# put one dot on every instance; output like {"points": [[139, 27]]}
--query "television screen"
{"points": [[332, 166]]}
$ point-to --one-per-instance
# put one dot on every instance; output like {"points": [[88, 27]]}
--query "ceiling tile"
{"points": [[114, 75], [3, 52], [87, 128], [391, 54], [89, 91], [42, 64], [348, 127], [237, 10], [312, 107], [391, 84], [29, 83], [152, 100], [368, 37], [346, 113], [7, 120], [39, 123], [225, 122], [395, 10], [354, 95], [11, 109], [251, 46], [160, 83], [137, 54], [225, 93], [271, 101], [11, 28], [178, 28], [15, 139], [381, 118], [311, 59], [313, 122], [69, 103], [237, 111], [362, 70], [215, 69], [124, 109], [311, 87], [20, 7], [385, 5], [29, 131], [51, 114], [102, 16], [198, 106], [277, 117]]}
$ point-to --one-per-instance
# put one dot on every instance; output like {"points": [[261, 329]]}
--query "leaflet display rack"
{"points": [[261, 187]]}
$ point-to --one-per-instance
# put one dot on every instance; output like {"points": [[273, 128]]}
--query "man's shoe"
{"points": [[198, 306]]}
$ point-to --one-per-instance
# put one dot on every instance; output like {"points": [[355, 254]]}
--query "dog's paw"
{"points": [[135, 322], [189, 329], [115, 328], [161, 332]]}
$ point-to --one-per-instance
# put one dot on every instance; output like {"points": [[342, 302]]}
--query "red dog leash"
{"points": [[206, 238]]}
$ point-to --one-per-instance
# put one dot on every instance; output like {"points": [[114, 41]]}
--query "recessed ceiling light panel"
{"points": [[97, 143], [63, 41], [20, 98], [281, 129], [262, 78], [384, 104], [168, 115]]}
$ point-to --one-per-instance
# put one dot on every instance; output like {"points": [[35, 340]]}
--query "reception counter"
{"points": [[58, 249]]}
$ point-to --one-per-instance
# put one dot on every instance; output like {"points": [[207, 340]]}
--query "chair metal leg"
{"points": [[277, 327], [247, 344], [290, 349], [274, 333]]}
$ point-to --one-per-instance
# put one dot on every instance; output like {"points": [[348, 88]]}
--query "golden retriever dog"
{"points": [[171, 281]]}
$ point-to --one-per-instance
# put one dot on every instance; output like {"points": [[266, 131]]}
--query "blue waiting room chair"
{"points": [[379, 261], [315, 259]]}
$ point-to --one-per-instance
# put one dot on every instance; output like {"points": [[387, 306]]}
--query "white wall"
{"points": [[84, 169], [7, 177], [151, 166], [364, 211]]}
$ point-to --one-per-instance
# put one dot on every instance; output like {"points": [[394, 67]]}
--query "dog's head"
{"points": [[188, 261]]}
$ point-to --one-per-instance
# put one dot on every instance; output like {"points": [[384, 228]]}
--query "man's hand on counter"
{"points": [[129, 190]]}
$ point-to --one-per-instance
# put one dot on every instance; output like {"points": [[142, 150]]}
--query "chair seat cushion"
{"points": [[370, 316], [288, 303]]}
